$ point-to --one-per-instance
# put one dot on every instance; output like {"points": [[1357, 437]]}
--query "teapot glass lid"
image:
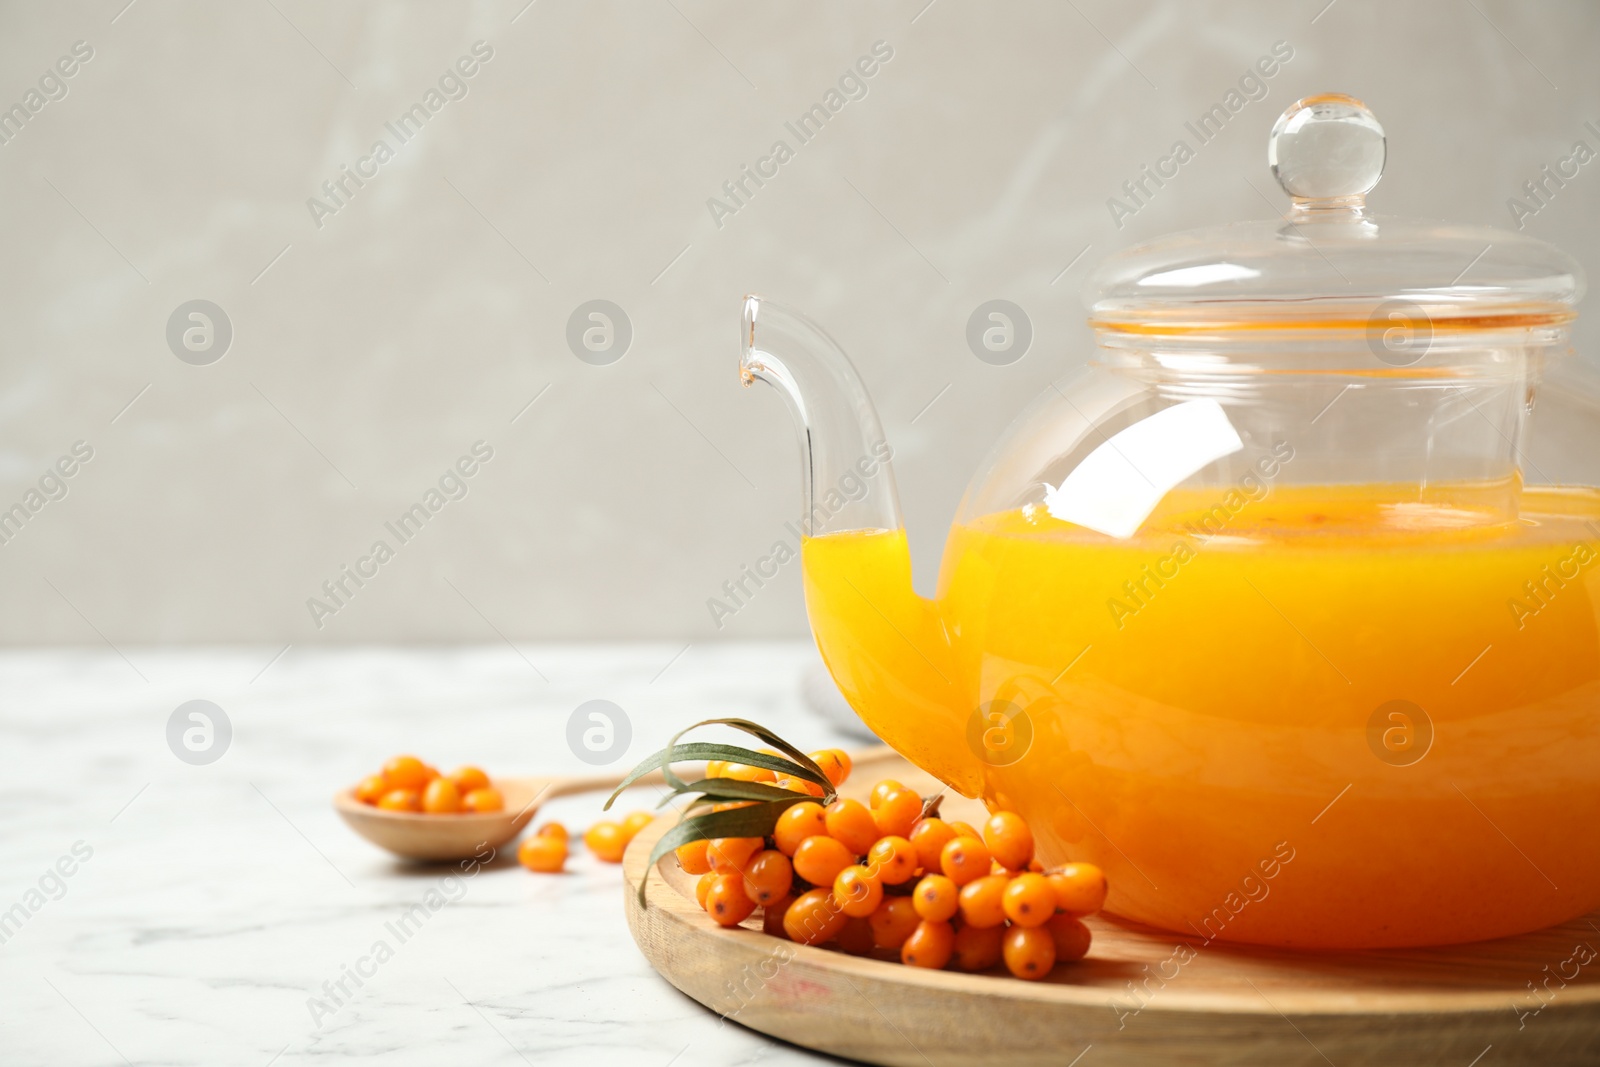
{"points": [[1328, 262]]}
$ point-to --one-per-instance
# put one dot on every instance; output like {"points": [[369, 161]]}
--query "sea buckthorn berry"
{"points": [[730, 854], [401, 800], [833, 764], [897, 813], [978, 948], [772, 917], [636, 821], [726, 901], [693, 857], [929, 836], [483, 801], [1035, 866], [851, 824], [715, 768], [1071, 937], [768, 877], [799, 785], [467, 778], [430, 772], [929, 945], [743, 772], [546, 855], [1080, 888], [441, 797], [936, 898], [983, 901], [731, 805], [797, 823], [964, 859], [1030, 900], [405, 772], [814, 918], [892, 859], [605, 840], [964, 829], [703, 886], [858, 892], [1029, 951], [1008, 839], [555, 829], [371, 788], [819, 859], [881, 790], [893, 922], [856, 937]]}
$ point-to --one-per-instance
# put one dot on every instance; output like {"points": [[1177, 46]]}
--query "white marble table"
{"points": [[217, 900]]}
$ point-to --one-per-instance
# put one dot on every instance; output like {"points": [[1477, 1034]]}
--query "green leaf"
{"points": [[766, 802], [702, 750], [674, 783], [732, 789], [651, 762], [776, 764], [757, 820], [804, 767], [776, 742]]}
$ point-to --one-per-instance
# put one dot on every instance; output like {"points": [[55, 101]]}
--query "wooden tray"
{"points": [[1466, 1006]]}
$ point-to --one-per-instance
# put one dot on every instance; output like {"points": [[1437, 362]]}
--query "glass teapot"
{"points": [[1285, 613]]}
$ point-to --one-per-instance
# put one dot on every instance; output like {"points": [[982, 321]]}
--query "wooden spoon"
{"points": [[457, 837]]}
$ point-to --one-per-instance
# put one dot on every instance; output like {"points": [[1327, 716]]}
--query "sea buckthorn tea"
{"points": [[1283, 609], [1199, 711]]}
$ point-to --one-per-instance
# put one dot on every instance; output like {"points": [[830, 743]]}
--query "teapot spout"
{"points": [[846, 480], [886, 647]]}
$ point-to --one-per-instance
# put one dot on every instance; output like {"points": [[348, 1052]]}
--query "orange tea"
{"points": [[1350, 697]]}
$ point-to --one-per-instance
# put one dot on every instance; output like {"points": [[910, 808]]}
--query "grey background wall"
{"points": [[374, 344]]}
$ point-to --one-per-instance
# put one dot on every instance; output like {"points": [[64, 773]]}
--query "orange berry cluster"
{"points": [[408, 784], [882, 876], [546, 851]]}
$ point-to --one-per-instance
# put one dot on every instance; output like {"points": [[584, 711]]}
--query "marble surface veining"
{"points": [[215, 901]]}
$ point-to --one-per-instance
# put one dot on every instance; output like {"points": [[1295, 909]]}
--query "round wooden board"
{"points": [[1461, 1006]]}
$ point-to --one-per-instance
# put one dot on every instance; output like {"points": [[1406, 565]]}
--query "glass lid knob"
{"points": [[1327, 151]]}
